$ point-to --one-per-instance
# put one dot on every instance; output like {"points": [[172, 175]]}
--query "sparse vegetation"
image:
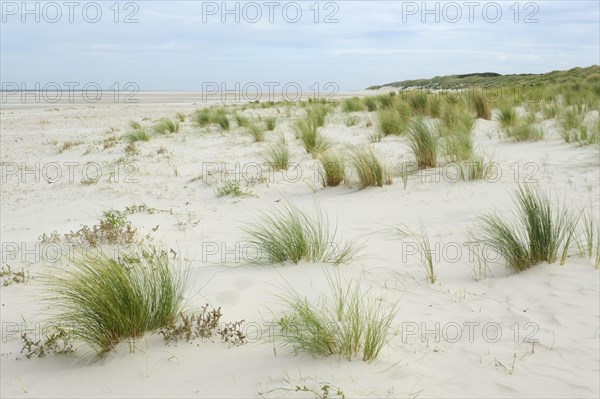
{"points": [[353, 104], [106, 300], [333, 172], [289, 234], [370, 170], [166, 125], [524, 132], [423, 142], [481, 105], [347, 322], [278, 156], [540, 231]]}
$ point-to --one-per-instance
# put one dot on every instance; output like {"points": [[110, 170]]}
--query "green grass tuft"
{"points": [[347, 323], [540, 230], [370, 170], [353, 104], [166, 125], [106, 300], [289, 234], [423, 142], [333, 172]]}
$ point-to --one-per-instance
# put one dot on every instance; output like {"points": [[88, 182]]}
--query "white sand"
{"points": [[558, 304]]}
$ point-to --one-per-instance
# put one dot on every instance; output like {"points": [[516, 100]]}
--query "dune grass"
{"points": [[278, 157], [270, 123], [479, 167], [307, 131], [370, 170], [135, 125], [166, 125], [524, 132], [317, 114], [454, 119], [589, 241], [347, 322], [207, 116], [241, 120], [288, 234], [458, 146], [333, 172], [419, 102], [370, 103], [481, 105], [539, 232], [508, 117], [391, 122], [423, 142], [106, 300], [353, 104], [137, 135], [257, 132]]}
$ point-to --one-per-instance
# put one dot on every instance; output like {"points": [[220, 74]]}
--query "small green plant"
{"points": [[347, 322], [113, 229], [353, 104], [333, 172], [131, 150], [10, 277], [589, 243], [423, 142], [541, 230], [370, 170], [106, 300], [56, 340], [166, 125], [290, 234], [278, 157], [180, 116], [231, 188], [204, 326], [67, 145]]}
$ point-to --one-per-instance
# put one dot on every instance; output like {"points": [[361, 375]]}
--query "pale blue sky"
{"points": [[175, 47]]}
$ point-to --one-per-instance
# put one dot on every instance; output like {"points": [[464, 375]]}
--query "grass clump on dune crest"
{"points": [[288, 234], [539, 232], [353, 104], [257, 133], [106, 300], [278, 157], [391, 122], [524, 132], [137, 135], [423, 142], [307, 130], [481, 105], [166, 125], [347, 322], [370, 170], [207, 116], [333, 172], [508, 117]]}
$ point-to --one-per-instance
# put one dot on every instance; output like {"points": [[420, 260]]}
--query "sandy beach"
{"points": [[472, 333]]}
